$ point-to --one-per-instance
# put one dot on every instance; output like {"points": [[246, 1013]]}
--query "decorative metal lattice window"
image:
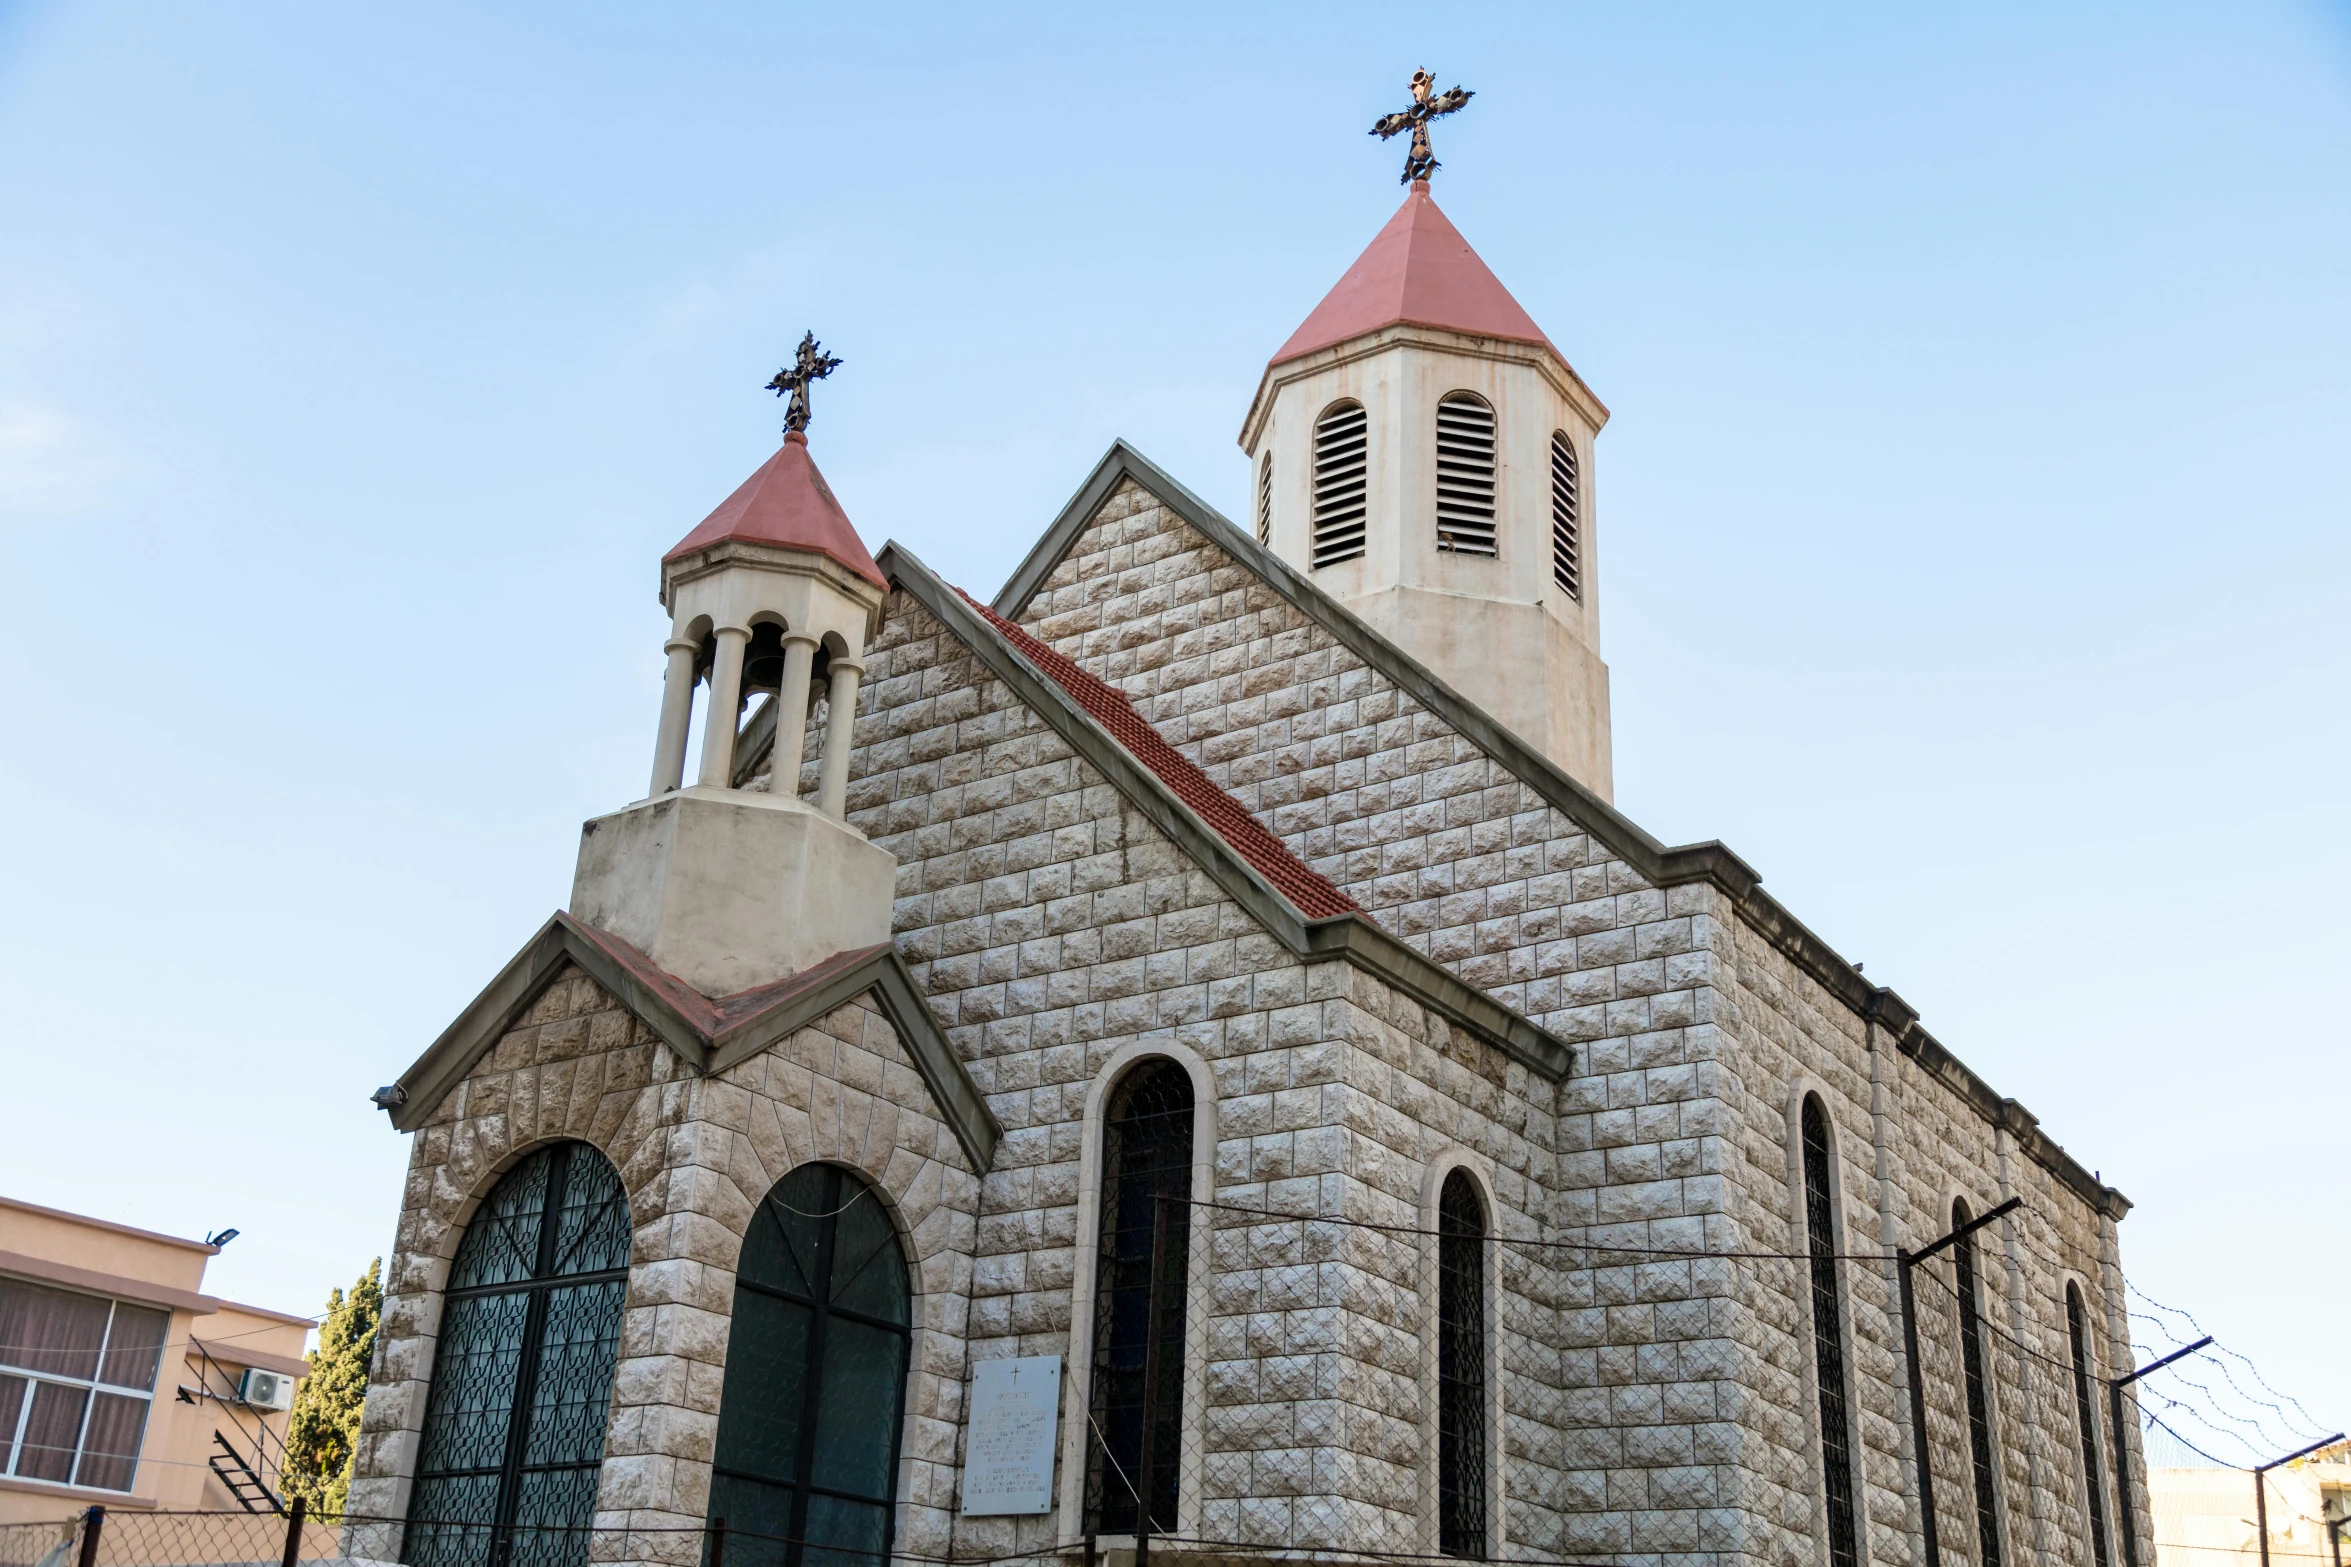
{"points": [[807, 1460], [1342, 483], [1566, 564], [1828, 1337], [514, 1429], [1265, 501], [1465, 475], [1461, 1368], [2085, 1414], [1146, 1155], [1979, 1393]]}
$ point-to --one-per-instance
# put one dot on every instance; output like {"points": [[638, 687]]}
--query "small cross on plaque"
{"points": [[1427, 104], [809, 363]]}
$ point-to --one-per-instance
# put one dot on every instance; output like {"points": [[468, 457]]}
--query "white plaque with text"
{"points": [[1008, 1456]]}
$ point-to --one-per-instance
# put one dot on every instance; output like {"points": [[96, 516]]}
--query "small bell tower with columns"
{"points": [[727, 887]]}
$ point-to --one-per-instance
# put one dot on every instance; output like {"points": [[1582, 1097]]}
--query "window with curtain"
{"points": [[514, 1426], [2085, 1415], [1146, 1155], [1461, 1368], [1465, 474], [805, 1473], [77, 1375], [1566, 563], [1342, 482], [1975, 1374], [1828, 1336]]}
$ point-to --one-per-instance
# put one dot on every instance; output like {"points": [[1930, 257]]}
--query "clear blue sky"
{"points": [[1972, 517]]}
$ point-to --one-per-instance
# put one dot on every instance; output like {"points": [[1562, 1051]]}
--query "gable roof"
{"points": [[1349, 934], [709, 1033], [1663, 866], [786, 504], [1416, 271]]}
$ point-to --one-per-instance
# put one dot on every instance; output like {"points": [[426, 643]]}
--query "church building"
{"points": [[1187, 1047]]}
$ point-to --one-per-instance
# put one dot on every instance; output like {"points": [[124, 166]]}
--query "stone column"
{"points": [[792, 717], [677, 713], [832, 790], [726, 699]]}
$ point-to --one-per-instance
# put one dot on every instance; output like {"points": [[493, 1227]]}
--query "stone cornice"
{"points": [[1354, 938], [1709, 862], [709, 1035], [1557, 371]]}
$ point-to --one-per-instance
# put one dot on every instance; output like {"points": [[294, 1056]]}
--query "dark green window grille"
{"points": [[1979, 1394], [1828, 1336], [514, 1428], [2085, 1416], [1461, 1368], [806, 1468], [1146, 1154]]}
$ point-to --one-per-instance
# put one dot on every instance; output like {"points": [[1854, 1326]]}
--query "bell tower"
{"points": [[1424, 453], [730, 887]]}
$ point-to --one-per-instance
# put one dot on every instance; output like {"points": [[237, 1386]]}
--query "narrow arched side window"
{"points": [[1265, 501], [514, 1428], [1146, 1156], [2085, 1414], [806, 1466], [1342, 482], [1465, 474], [1461, 1368], [1566, 563], [1979, 1393], [1828, 1337]]}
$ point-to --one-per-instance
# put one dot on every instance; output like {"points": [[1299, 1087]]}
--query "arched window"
{"points": [[1342, 482], [514, 1428], [1465, 474], [1828, 1336], [1979, 1393], [1461, 1368], [2085, 1414], [1566, 564], [1146, 1155], [1265, 500], [806, 1465]]}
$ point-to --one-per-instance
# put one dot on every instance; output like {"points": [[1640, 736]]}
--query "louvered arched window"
{"points": [[2085, 1414], [806, 1465], [514, 1429], [1828, 1335], [1566, 563], [1465, 474], [1146, 1155], [1461, 1368], [1265, 500], [1977, 1375], [1342, 482]]}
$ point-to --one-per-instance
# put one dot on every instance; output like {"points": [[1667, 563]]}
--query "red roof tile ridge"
{"points": [[1309, 890]]}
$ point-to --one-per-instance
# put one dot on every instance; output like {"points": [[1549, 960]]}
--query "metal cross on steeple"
{"points": [[1427, 104], [809, 363]]}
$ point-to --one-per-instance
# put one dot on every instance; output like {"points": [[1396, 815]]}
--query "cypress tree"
{"points": [[323, 1430]]}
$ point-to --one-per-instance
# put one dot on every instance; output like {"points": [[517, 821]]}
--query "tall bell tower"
{"points": [[1424, 453]]}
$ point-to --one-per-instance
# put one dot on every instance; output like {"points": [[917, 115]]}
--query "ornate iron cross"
{"points": [[809, 363], [1427, 104]]}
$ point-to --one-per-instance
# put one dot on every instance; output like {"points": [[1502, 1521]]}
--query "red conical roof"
{"points": [[786, 504], [1418, 270]]}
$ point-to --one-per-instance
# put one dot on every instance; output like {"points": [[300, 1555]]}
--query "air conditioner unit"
{"points": [[266, 1389]]}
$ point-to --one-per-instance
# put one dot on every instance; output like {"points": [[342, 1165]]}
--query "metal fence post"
{"points": [[2122, 1448], [93, 1525], [2261, 1482], [1918, 1414], [294, 1517], [1146, 1483], [718, 1541]]}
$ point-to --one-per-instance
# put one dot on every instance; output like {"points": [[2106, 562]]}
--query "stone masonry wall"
{"points": [[696, 1155], [1052, 926]]}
